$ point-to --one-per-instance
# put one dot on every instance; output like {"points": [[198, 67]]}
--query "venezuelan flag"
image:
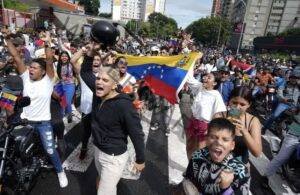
{"points": [[165, 75], [58, 88], [7, 101]]}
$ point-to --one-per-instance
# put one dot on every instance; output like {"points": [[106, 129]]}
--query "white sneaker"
{"points": [[63, 180]]}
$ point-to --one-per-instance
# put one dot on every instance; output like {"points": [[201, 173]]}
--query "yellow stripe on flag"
{"points": [[9, 96], [181, 61]]}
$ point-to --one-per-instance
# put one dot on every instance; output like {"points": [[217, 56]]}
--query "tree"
{"points": [[158, 25], [105, 15], [16, 5], [91, 7], [210, 30], [132, 25], [145, 29], [161, 26], [291, 32]]}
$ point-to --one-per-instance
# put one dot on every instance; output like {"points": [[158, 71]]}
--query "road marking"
{"points": [[74, 164], [177, 156]]}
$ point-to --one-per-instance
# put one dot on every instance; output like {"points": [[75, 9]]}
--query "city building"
{"points": [[227, 8], [254, 18], [125, 10], [283, 15], [216, 8]]}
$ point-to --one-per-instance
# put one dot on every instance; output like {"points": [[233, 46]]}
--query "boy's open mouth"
{"points": [[216, 153]]}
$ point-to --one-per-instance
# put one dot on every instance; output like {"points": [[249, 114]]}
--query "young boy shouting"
{"points": [[213, 170]]}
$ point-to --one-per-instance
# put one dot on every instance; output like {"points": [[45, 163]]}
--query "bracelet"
{"points": [[228, 191]]}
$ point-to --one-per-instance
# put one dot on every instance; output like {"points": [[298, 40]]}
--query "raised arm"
{"points": [[21, 68], [75, 58], [193, 83], [86, 71], [49, 57], [62, 47]]}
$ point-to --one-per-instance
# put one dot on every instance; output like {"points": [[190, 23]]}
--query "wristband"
{"points": [[228, 191]]}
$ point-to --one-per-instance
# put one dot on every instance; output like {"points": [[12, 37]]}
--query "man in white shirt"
{"points": [[38, 86]]}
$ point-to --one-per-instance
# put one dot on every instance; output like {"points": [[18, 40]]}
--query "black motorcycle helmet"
{"points": [[104, 32]]}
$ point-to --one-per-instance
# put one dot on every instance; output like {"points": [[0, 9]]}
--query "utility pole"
{"points": [[219, 34], [242, 30]]}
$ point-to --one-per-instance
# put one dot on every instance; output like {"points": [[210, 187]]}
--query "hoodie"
{"points": [[113, 120]]}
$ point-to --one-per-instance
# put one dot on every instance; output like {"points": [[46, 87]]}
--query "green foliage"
{"points": [[269, 34], [291, 32], [276, 55], [16, 5], [161, 26], [105, 15], [91, 7], [132, 25], [207, 30], [145, 29], [158, 25]]}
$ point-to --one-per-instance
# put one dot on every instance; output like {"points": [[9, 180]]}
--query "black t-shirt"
{"points": [[204, 173]]}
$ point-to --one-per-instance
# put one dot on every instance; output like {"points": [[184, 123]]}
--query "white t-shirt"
{"points": [[206, 103], [86, 98], [210, 68], [127, 79], [40, 97]]}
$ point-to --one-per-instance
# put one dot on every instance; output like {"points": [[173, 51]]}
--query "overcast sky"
{"points": [[183, 11]]}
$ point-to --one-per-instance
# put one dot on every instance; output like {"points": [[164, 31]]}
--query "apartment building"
{"points": [[125, 10], [227, 8], [283, 15], [216, 9], [261, 17]]}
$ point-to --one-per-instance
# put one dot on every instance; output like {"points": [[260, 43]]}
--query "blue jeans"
{"points": [[46, 135], [69, 90], [289, 145], [281, 107]]}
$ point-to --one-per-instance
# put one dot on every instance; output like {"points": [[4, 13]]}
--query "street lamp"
{"points": [[243, 24]]}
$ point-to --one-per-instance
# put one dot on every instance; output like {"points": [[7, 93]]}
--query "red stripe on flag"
{"points": [[161, 88]]}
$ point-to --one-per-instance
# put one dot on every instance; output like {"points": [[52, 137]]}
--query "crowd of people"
{"points": [[221, 132]]}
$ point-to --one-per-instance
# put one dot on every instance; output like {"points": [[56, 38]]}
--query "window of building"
{"points": [[276, 14], [277, 8]]}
